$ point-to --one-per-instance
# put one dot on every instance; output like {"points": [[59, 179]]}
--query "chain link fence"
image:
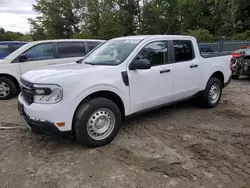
{"points": [[225, 46]]}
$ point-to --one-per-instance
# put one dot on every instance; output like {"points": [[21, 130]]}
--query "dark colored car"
{"points": [[7, 47]]}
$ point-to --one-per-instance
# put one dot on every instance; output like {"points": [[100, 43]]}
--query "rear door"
{"points": [[187, 70], [40, 55]]}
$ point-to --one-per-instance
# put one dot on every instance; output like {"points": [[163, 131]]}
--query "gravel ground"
{"points": [[177, 146]]}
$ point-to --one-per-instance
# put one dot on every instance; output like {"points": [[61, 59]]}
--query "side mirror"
{"points": [[140, 64], [23, 58]]}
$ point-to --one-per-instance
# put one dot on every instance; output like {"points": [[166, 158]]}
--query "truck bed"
{"points": [[215, 54]]}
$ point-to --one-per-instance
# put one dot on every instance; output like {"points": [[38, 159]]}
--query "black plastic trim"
{"points": [[160, 106], [125, 78], [194, 66], [40, 127]]}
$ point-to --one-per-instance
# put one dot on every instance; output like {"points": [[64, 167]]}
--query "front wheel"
{"points": [[97, 122], [7, 88], [212, 94]]}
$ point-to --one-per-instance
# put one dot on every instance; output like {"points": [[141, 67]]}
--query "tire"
{"points": [[235, 77], [89, 115], [7, 83], [204, 98]]}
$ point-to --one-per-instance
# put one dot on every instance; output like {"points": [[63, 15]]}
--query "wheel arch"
{"points": [[111, 95], [13, 78], [219, 75]]}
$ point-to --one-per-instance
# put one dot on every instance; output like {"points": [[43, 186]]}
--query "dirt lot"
{"points": [[178, 146]]}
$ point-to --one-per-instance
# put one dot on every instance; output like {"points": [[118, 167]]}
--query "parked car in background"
{"points": [[122, 77], [236, 65], [241, 64], [7, 47], [39, 54]]}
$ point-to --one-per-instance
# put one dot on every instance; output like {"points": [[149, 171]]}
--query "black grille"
{"points": [[26, 83], [27, 89]]}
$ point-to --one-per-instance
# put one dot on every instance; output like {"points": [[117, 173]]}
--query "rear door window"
{"points": [[183, 50], [93, 44], [4, 48], [16, 46], [71, 49]]}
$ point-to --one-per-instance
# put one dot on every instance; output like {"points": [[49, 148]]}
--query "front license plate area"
{"points": [[21, 109], [22, 113]]}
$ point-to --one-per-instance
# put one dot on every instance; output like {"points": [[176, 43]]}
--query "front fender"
{"points": [[10, 73], [103, 87]]}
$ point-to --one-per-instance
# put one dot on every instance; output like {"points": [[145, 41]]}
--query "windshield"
{"points": [[113, 52], [247, 52]]}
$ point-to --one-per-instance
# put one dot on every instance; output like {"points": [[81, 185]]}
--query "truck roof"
{"points": [[142, 37], [64, 40]]}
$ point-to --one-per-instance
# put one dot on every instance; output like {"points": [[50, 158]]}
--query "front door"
{"points": [[152, 87]]}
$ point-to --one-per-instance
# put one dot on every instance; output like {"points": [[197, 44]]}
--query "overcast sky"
{"points": [[14, 14]]}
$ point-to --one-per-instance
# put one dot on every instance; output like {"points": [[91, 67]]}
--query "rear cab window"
{"points": [[71, 49], [4, 48], [183, 50]]}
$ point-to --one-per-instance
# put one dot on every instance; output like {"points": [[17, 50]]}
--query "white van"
{"points": [[39, 54]]}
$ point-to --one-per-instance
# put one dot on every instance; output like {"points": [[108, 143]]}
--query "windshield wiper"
{"points": [[79, 61], [89, 63]]}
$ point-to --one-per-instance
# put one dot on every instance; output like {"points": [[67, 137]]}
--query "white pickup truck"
{"points": [[121, 77]]}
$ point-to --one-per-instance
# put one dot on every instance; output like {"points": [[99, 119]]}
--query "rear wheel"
{"points": [[212, 94], [97, 122], [7, 88]]}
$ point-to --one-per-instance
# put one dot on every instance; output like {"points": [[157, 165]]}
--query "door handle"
{"points": [[193, 66], [165, 71]]}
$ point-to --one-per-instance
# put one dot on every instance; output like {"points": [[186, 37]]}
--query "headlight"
{"points": [[47, 94]]}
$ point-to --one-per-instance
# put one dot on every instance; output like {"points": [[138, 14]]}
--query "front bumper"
{"points": [[36, 122]]}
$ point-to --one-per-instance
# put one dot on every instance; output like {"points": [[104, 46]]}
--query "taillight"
{"points": [[234, 54]]}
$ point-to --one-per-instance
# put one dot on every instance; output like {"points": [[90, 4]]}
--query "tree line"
{"points": [[207, 20], [17, 36]]}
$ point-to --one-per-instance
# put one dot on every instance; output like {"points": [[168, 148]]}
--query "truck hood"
{"points": [[59, 73]]}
